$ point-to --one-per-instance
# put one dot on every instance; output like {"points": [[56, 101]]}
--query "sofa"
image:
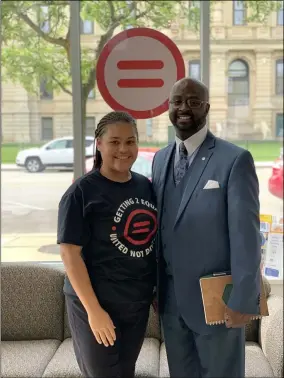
{"points": [[36, 340]]}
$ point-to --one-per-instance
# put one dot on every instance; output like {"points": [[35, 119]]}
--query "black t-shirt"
{"points": [[115, 223]]}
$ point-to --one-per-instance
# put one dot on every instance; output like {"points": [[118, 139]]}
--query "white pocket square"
{"points": [[211, 184]]}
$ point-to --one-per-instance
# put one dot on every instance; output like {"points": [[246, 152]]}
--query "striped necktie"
{"points": [[182, 165]]}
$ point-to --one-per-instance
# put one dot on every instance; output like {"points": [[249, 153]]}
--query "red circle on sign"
{"points": [[137, 32]]}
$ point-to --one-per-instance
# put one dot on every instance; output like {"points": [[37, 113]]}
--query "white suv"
{"points": [[56, 153]]}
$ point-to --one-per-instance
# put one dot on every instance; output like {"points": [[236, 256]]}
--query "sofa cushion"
{"points": [[64, 363], [31, 302], [257, 364], [164, 367], [26, 358], [153, 328]]}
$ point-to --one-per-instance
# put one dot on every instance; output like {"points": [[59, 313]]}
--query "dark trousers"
{"points": [[96, 360], [220, 354]]}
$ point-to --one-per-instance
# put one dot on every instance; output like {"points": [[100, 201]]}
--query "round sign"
{"points": [[136, 71]]}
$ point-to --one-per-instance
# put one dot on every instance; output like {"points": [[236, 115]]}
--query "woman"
{"points": [[106, 230]]}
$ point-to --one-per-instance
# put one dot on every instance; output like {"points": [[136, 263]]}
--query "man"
{"points": [[207, 193]]}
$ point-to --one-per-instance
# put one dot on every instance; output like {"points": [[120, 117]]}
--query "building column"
{"points": [[262, 105]]}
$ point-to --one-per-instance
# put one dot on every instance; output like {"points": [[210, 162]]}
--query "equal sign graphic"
{"points": [[140, 65], [141, 227]]}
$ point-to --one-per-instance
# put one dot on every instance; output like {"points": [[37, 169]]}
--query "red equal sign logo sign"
{"points": [[136, 71], [140, 65]]}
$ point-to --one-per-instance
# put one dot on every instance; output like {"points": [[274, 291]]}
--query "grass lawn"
{"points": [[9, 151], [261, 151]]}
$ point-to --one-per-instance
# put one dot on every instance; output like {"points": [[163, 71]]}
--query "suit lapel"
{"points": [[162, 181], [200, 162]]}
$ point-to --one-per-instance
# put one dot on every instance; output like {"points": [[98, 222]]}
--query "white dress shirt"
{"points": [[192, 144]]}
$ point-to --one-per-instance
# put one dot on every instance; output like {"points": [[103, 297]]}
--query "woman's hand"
{"points": [[102, 327]]}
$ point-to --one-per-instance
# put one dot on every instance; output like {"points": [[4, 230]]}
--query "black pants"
{"points": [[96, 360]]}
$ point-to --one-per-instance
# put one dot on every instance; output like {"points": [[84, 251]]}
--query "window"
{"points": [[149, 127], [194, 69], [239, 12], [279, 77], [89, 142], [45, 93], [44, 19], [90, 126], [280, 16], [279, 125], [92, 94], [87, 27], [46, 128], [238, 83], [58, 145]]}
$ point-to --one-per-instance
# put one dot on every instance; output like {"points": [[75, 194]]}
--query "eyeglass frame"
{"points": [[187, 101]]}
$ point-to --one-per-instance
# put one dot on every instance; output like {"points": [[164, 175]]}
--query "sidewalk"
{"points": [[29, 247], [14, 167]]}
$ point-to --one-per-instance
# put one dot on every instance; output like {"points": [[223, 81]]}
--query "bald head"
{"points": [[190, 85]]}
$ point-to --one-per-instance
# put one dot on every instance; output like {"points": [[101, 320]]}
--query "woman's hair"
{"points": [[109, 119]]}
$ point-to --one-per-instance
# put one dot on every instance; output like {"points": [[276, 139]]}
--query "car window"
{"points": [[142, 166], [58, 144], [69, 143], [88, 142]]}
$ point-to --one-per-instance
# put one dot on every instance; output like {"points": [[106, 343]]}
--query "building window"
{"points": [[149, 127], [280, 16], [44, 19], [238, 83], [87, 27], [194, 69], [279, 77], [46, 128], [90, 126], [92, 94], [279, 125], [45, 93], [239, 12]]}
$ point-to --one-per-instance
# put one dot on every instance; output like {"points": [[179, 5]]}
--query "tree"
{"points": [[36, 35]]}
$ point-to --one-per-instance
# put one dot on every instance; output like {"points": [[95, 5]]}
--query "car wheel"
{"points": [[34, 165]]}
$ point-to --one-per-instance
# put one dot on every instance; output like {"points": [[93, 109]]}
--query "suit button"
{"points": [[163, 227], [164, 246]]}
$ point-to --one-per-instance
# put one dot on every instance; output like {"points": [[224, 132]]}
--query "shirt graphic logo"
{"points": [[134, 228]]}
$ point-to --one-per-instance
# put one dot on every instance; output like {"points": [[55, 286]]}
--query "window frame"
{"points": [[43, 118], [280, 16], [278, 79], [44, 94], [194, 62], [246, 78], [82, 31], [238, 11]]}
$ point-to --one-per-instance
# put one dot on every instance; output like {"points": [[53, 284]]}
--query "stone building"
{"points": [[246, 84]]}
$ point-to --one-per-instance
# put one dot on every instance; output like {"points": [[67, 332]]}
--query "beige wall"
{"points": [[260, 46]]}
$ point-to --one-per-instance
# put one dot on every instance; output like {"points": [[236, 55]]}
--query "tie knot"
{"points": [[182, 149]]}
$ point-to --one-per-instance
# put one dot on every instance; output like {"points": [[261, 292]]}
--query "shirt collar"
{"points": [[193, 142]]}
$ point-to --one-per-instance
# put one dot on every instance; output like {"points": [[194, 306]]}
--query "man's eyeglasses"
{"points": [[191, 103]]}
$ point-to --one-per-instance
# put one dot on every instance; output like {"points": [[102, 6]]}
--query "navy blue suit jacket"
{"points": [[214, 229]]}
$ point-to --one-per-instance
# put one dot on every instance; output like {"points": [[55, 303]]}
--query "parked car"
{"points": [[56, 153], [275, 183], [142, 165]]}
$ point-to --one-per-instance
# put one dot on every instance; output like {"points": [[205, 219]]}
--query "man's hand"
{"points": [[234, 319]]}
